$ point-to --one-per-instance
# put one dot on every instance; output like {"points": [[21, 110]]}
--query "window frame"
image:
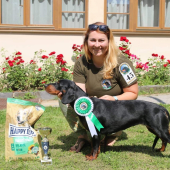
{"points": [[57, 19], [133, 19]]}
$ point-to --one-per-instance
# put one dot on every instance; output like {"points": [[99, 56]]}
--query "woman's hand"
{"points": [[107, 97], [129, 93], [59, 95]]}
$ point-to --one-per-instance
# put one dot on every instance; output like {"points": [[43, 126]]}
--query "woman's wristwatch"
{"points": [[115, 98]]}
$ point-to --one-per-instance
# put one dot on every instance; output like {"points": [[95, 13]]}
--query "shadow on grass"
{"points": [[70, 140]]}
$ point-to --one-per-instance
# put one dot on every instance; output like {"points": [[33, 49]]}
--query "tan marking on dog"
{"points": [[166, 115], [52, 90]]}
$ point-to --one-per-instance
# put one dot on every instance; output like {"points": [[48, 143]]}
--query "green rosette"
{"points": [[83, 106]]}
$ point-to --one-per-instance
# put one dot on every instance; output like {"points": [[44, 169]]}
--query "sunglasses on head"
{"points": [[94, 27]]}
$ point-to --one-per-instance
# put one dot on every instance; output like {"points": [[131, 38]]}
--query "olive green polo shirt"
{"points": [[88, 74]]}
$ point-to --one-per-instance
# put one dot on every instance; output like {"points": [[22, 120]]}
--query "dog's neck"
{"points": [[80, 93]]}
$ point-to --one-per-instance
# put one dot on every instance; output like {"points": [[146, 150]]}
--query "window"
{"points": [[15, 16], [148, 13], [41, 12], [138, 15], [118, 14], [73, 14], [167, 13], [44, 14]]}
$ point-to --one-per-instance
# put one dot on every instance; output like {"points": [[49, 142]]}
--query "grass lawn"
{"points": [[132, 151]]}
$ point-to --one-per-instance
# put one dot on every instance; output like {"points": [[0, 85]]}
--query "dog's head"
{"points": [[22, 116], [66, 87]]}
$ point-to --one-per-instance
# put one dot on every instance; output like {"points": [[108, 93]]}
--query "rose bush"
{"points": [[19, 75], [77, 52], [155, 71]]}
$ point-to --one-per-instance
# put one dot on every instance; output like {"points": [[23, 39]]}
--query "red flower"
{"points": [[74, 45], [53, 52], [165, 65], [168, 61], [19, 57], [18, 53], [121, 48], [3, 70], [39, 69], [11, 64], [18, 63], [31, 61], [81, 46], [59, 56], [64, 69], [21, 60], [122, 38], [162, 57], [58, 61], [44, 57], [9, 61], [139, 65], [127, 52], [15, 58], [155, 55], [63, 62], [127, 40], [43, 82], [7, 58]]}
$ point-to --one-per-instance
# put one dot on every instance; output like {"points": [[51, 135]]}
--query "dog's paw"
{"points": [[90, 157]]}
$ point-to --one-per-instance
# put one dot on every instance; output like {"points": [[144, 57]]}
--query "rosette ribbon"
{"points": [[83, 106]]}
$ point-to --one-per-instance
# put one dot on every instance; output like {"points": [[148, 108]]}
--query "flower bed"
{"points": [[154, 72], [18, 75]]}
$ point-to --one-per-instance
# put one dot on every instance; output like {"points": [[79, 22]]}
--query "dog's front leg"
{"points": [[95, 148]]}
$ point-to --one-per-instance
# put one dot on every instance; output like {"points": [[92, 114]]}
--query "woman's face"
{"points": [[98, 43]]}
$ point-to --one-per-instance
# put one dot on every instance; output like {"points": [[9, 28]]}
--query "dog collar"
{"points": [[83, 106]]}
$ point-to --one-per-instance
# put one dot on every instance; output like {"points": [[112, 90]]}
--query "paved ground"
{"points": [[156, 98], [3, 102]]}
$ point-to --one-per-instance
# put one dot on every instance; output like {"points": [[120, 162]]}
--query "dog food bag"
{"points": [[21, 140]]}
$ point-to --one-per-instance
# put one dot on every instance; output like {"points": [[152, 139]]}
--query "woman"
{"points": [[101, 72]]}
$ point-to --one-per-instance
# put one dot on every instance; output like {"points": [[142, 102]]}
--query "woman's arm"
{"points": [[82, 86], [130, 93]]}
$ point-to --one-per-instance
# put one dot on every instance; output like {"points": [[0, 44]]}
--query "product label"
{"points": [[22, 145], [16, 131]]}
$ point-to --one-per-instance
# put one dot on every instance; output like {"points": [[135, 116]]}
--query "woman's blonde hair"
{"points": [[110, 61]]}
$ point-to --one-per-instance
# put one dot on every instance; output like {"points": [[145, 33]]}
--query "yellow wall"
{"points": [[27, 43]]}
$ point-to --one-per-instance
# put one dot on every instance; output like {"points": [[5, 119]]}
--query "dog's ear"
{"points": [[68, 96]]}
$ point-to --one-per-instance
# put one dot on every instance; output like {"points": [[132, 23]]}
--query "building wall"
{"points": [[27, 43]]}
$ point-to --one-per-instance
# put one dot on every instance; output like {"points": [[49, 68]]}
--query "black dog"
{"points": [[116, 115]]}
